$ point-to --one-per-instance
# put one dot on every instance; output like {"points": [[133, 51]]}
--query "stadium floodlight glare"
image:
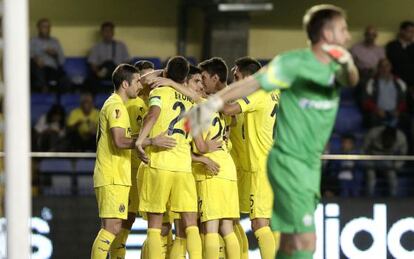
{"points": [[245, 7]]}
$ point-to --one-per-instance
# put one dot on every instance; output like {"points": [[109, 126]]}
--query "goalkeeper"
{"points": [[309, 80]]}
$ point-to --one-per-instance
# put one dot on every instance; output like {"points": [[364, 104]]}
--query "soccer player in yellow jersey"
{"points": [[218, 194], [259, 110], [168, 177], [136, 108], [112, 173], [112, 179]]}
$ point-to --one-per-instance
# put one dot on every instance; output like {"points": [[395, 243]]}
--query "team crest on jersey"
{"points": [[117, 114], [122, 208]]}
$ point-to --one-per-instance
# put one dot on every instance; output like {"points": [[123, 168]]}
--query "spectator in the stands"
{"points": [[384, 140], [347, 172], [401, 53], [82, 123], [106, 55], [385, 94], [50, 129], [367, 53], [46, 58]]}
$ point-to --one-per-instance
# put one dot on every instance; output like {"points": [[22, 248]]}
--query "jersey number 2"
{"points": [[171, 128]]}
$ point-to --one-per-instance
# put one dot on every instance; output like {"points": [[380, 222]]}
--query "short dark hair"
{"points": [[247, 65], [215, 66], [317, 17], [121, 73], [177, 69], [406, 24], [107, 24], [42, 20], [194, 70], [143, 64]]}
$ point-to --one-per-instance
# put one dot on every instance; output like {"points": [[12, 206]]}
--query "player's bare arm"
{"points": [[231, 109], [206, 145], [120, 141], [149, 121], [209, 164], [162, 81]]}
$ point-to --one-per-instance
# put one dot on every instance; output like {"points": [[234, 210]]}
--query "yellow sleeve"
{"points": [[118, 116], [250, 103], [155, 97]]}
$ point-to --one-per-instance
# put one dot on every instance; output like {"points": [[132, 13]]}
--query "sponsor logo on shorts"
{"points": [[121, 208], [308, 220]]}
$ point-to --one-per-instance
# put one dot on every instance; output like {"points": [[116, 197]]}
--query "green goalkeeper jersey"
{"points": [[307, 109]]}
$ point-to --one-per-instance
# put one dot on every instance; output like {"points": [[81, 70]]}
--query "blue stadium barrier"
{"points": [[100, 99], [56, 165], [348, 120], [70, 101], [77, 69], [264, 61], [40, 104], [85, 166]]}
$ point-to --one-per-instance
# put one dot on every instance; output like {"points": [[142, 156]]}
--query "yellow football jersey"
{"points": [[113, 165], [173, 105], [222, 157], [136, 110], [88, 122], [238, 151], [259, 111]]}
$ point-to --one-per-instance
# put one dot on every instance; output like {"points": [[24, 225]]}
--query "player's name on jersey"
{"points": [[182, 97]]}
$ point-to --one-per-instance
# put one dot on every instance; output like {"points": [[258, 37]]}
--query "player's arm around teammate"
{"points": [[112, 178]]}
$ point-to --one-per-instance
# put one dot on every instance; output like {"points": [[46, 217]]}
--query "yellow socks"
{"points": [[243, 241], [169, 243], [179, 249], [144, 250], [118, 246], [154, 244], [232, 246], [193, 242], [222, 248], [164, 245], [266, 242], [212, 245], [102, 244]]}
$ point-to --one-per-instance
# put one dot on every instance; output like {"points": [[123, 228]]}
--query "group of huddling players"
{"points": [[202, 150]]}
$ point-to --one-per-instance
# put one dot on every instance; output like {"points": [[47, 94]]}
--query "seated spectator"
{"points": [[106, 55], [346, 171], [366, 54], [46, 57], [401, 53], [384, 94], [384, 140], [82, 123], [50, 129]]}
